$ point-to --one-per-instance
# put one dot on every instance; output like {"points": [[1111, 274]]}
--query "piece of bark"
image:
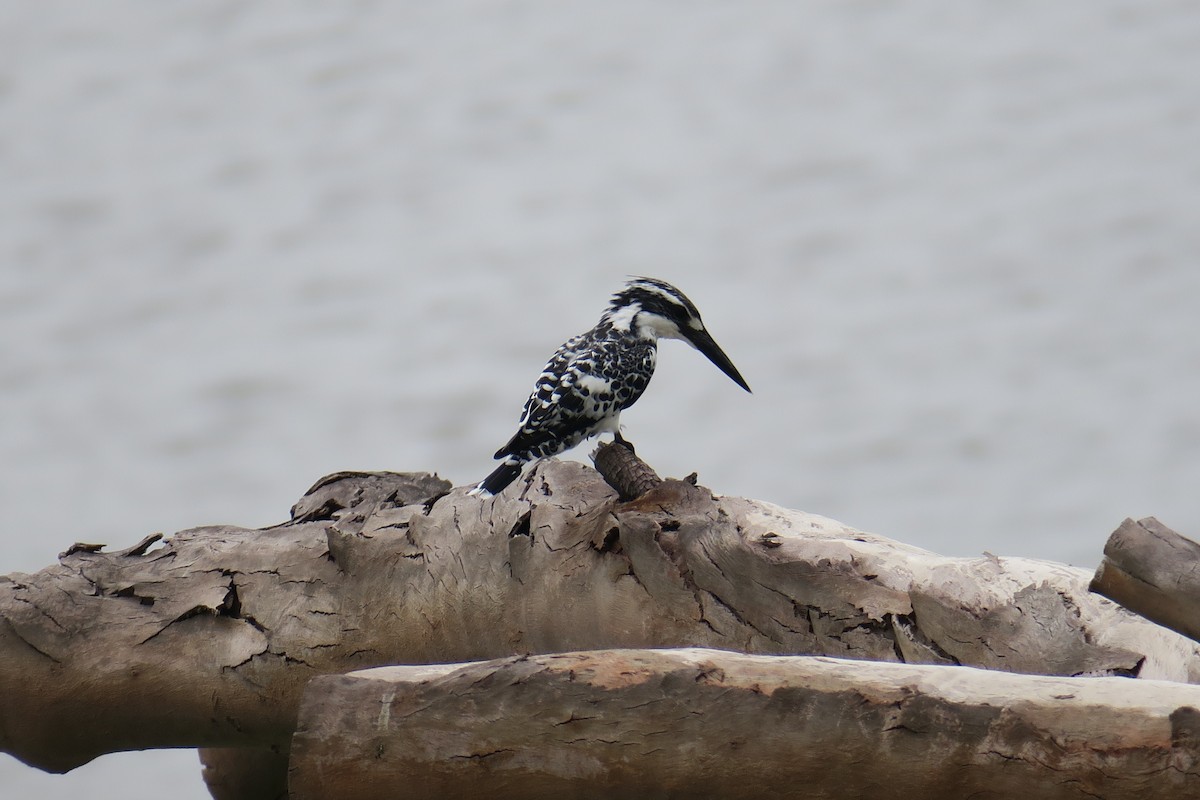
{"points": [[708, 723], [624, 471], [1155, 572], [209, 638]]}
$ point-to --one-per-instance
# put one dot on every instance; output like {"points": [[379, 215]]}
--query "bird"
{"points": [[596, 375]]}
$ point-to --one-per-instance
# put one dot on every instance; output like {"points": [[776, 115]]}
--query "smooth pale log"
{"points": [[208, 638], [708, 723], [1155, 572]]}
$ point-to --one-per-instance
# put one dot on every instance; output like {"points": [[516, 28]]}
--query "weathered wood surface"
{"points": [[708, 723], [1155, 572], [209, 637]]}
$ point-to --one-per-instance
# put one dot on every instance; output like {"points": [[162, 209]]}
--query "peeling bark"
{"points": [[1153, 571], [708, 723], [208, 638]]}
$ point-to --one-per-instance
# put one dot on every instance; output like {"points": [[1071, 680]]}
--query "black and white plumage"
{"points": [[595, 376]]}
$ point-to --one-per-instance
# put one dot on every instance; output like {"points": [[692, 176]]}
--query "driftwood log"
{"points": [[1153, 571], [209, 637], [709, 723]]}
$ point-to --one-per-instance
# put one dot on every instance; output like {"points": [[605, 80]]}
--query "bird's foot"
{"points": [[621, 440]]}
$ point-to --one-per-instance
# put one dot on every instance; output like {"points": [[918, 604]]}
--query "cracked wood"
{"points": [[1153, 571], [710, 723], [208, 637]]}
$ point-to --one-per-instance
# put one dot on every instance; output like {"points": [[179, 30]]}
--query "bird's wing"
{"points": [[554, 411]]}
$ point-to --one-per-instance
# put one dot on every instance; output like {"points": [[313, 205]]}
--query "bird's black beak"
{"points": [[703, 342]]}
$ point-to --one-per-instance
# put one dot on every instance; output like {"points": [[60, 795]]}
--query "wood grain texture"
{"points": [[624, 471], [705, 723], [208, 638], [1155, 572]]}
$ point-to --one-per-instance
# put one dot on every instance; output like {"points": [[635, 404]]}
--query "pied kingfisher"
{"points": [[595, 376]]}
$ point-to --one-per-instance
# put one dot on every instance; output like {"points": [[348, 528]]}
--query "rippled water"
{"points": [[953, 250]]}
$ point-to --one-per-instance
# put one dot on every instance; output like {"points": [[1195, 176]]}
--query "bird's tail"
{"points": [[501, 477]]}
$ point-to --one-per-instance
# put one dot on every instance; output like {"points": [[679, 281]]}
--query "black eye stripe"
{"points": [[658, 297]]}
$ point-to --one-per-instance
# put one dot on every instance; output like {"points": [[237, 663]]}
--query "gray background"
{"points": [[952, 247]]}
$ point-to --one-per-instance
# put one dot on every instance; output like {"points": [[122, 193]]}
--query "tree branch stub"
{"points": [[624, 471], [1155, 572]]}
